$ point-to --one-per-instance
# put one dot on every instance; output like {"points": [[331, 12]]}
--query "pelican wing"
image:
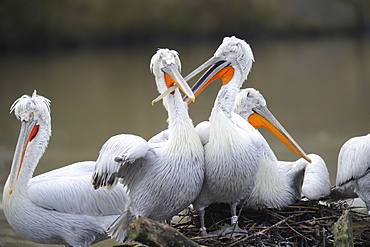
{"points": [[120, 160], [68, 189], [353, 159], [160, 137]]}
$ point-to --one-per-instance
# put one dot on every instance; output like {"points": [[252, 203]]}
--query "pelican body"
{"points": [[163, 177], [229, 151], [60, 206], [353, 177], [279, 183], [233, 147]]}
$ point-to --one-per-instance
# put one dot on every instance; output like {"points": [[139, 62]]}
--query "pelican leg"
{"points": [[168, 221], [366, 198], [233, 229], [363, 190], [234, 217], [203, 228]]}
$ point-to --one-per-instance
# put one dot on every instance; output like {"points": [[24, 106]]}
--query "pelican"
{"points": [[278, 183], [229, 151], [163, 177], [233, 146], [60, 206], [353, 171]]}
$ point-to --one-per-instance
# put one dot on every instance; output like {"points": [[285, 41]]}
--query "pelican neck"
{"points": [[226, 97], [33, 154]]}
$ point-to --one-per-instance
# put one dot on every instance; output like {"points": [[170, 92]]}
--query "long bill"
{"points": [[174, 80], [28, 131], [219, 69], [262, 117]]}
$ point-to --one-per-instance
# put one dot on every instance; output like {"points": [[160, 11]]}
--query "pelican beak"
{"points": [[174, 80], [28, 131], [218, 68], [262, 117]]}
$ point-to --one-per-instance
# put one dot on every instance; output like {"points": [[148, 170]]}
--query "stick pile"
{"points": [[306, 223]]}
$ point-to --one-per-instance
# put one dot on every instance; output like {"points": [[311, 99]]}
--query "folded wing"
{"points": [[68, 189], [120, 160]]}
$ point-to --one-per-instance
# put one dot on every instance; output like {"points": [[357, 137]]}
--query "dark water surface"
{"points": [[318, 89]]}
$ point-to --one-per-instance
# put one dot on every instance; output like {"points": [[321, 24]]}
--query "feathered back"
{"points": [[353, 159]]}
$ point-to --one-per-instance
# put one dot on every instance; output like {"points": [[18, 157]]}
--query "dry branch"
{"points": [[306, 223]]}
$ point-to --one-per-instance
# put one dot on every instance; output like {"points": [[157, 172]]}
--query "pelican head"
{"points": [[246, 100], [166, 66], [236, 53], [33, 112], [251, 105], [232, 55]]}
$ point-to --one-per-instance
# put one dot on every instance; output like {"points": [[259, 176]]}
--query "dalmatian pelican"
{"points": [[353, 177], [59, 206], [163, 177]]}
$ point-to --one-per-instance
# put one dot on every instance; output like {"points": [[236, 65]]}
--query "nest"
{"points": [[307, 223]]}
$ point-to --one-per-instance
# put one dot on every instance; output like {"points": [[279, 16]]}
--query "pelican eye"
{"points": [[31, 115], [164, 62], [256, 101], [224, 54]]}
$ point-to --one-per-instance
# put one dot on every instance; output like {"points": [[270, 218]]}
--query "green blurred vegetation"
{"points": [[73, 23]]}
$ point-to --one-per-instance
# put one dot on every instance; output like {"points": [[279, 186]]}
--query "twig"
{"points": [[315, 220], [294, 230], [262, 231]]}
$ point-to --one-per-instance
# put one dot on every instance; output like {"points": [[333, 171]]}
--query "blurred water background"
{"points": [[91, 59]]}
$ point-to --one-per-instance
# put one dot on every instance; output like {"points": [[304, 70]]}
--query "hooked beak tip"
{"points": [[10, 191], [153, 102]]}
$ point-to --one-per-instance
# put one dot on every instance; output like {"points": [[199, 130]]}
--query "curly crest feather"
{"points": [[35, 106]]}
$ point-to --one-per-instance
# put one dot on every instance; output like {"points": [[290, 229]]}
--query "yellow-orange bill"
{"points": [[28, 131], [264, 118], [173, 80]]}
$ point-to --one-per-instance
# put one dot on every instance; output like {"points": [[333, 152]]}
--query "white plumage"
{"points": [[316, 182], [353, 159], [60, 206], [353, 170], [163, 176], [229, 151], [279, 183], [239, 163]]}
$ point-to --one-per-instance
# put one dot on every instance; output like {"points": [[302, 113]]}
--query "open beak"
{"points": [[218, 68], [174, 80], [28, 131], [262, 117]]}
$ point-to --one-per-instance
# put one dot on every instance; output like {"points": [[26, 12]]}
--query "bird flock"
{"points": [[222, 160]]}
